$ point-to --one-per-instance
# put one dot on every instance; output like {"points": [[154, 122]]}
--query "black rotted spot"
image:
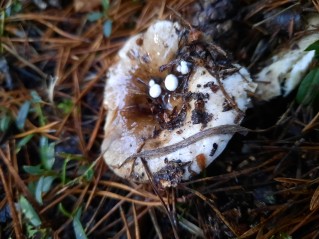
{"points": [[213, 151], [227, 106], [199, 115]]}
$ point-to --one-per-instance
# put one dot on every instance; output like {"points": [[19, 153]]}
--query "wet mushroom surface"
{"points": [[168, 88]]}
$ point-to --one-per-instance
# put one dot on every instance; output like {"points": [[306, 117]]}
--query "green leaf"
{"points": [[22, 114], [77, 226], [314, 47], [308, 91], [35, 97], [76, 216], [69, 156], [37, 233], [36, 100], [16, 7], [47, 183], [34, 170], [23, 142], [105, 4], [281, 235], [63, 173], [107, 28], [32, 186], [66, 106], [38, 191], [5, 122], [32, 231], [94, 16], [29, 212], [64, 211], [47, 153], [43, 186], [88, 174]]}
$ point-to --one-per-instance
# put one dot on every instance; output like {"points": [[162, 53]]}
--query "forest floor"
{"points": [[54, 56]]}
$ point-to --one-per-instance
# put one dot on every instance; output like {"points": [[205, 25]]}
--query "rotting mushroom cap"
{"points": [[136, 123]]}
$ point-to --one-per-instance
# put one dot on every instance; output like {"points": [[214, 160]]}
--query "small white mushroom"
{"points": [[171, 82], [151, 83], [155, 90], [183, 67], [287, 67], [171, 131]]}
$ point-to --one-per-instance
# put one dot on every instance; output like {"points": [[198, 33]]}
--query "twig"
{"points": [[120, 233], [112, 184], [155, 223], [218, 213], [26, 62], [120, 197], [275, 15], [150, 177], [107, 215], [43, 129], [223, 129], [137, 228], [311, 124], [227, 96], [19, 182], [97, 127], [128, 234], [15, 220], [191, 227]]}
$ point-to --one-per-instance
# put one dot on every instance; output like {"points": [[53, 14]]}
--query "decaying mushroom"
{"points": [[284, 71], [173, 102]]}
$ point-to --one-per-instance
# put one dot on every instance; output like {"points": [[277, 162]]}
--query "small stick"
{"points": [[223, 129], [227, 96], [15, 219], [150, 177]]}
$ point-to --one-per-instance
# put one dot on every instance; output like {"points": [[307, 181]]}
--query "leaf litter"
{"points": [[265, 185]]}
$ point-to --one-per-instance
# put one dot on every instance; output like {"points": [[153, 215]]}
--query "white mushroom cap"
{"points": [[155, 90], [183, 67], [171, 82], [151, 83], [135, 124], [288, 67]]}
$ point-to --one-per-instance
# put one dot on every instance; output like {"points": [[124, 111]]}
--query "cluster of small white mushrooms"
{"points": [[170, 82], [172, 107]]}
